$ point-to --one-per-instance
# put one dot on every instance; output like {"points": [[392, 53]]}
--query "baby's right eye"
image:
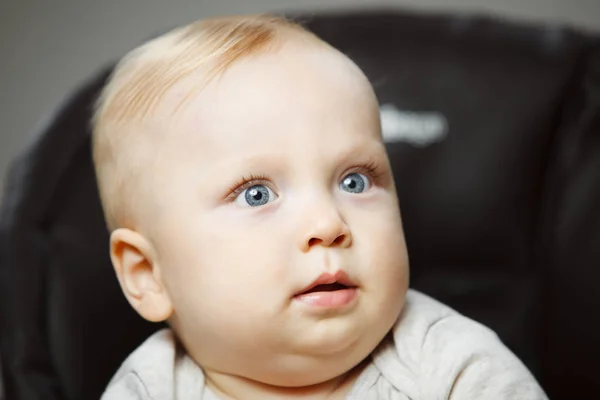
{"points": [[255, 196]]}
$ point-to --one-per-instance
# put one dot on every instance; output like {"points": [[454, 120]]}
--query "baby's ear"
{"points": [[135, 264]]}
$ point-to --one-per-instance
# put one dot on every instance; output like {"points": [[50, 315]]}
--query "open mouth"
{"points": [[327, 282], [329, 291], [328, 287]]}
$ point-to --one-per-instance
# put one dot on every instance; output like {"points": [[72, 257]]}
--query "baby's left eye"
{"points": [[355, 183], [256, 196]]}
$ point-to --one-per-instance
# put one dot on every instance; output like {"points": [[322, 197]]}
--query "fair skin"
{"points": [[227, 265]]}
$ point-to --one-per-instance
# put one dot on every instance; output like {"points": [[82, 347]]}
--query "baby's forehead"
{"points": [[274, 78], [266, 119], [296, 86]]}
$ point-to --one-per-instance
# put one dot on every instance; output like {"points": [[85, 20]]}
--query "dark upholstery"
{"points": [[502, 215]]}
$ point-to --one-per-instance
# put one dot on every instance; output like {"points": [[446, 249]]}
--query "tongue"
{"points": [[330, 287]]}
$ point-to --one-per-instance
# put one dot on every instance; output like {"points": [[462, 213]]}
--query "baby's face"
{"points": [[273, 180]]}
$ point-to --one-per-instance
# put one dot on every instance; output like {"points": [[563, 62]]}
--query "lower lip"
{"points": [[333, 299]]}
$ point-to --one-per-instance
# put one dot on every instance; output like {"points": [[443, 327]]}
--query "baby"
{"points": [[252, 207]]}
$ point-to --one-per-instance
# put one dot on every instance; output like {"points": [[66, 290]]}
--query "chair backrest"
{"points": [[493, 131]]}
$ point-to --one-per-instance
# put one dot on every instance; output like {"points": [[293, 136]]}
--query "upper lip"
{"points": [[326, 278]]}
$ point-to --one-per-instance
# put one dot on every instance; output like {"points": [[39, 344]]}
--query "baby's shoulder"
{"points": [[136, 377], [158, 368], [428, 329], [432, 346], [424, 318]]}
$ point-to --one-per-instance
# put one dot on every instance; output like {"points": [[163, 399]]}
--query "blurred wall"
{"points": [[47, 47]]}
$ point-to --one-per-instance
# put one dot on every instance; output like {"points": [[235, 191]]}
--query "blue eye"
{"points": [[255, 196], [355, 183]]}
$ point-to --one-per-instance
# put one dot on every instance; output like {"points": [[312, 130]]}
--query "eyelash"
{"points": [[244, 183], [371, 169]]}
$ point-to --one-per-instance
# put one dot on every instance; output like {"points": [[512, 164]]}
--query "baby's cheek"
{"points": [[388, 251], [390, 232]]}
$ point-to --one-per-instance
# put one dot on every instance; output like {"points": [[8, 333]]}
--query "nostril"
{"points": [[314, 241], [340, 240]]}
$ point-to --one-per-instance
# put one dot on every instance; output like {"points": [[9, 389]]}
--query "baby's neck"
{"points": [[228, 387]]}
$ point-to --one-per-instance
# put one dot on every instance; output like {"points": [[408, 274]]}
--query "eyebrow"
{"points": [[255, 162], [374, 148], [275, 161]]}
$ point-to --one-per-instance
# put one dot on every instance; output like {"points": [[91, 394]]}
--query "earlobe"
{"points": [[138, 272]]}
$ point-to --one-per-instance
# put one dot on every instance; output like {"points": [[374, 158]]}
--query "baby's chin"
{"points": [[322, 362], [303, 373]]}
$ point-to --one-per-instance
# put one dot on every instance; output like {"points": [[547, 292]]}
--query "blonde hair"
{"points": [[141, 80]]}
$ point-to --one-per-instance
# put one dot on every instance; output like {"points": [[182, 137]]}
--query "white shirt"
{"points": [[432, 353]]}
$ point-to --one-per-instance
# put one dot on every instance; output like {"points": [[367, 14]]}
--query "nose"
{"points": [[325, 227]]}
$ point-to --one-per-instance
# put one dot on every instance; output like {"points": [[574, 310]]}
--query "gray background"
{"points": [[48, 47]]}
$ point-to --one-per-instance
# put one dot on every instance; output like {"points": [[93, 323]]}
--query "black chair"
{"points": [[494, 137]]}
